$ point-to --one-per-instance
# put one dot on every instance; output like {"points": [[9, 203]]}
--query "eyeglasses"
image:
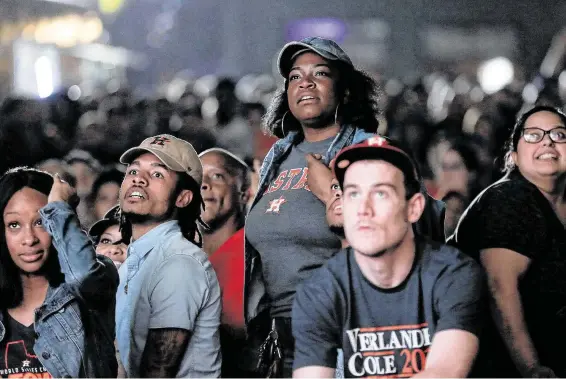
{"points": [[535, 135]]}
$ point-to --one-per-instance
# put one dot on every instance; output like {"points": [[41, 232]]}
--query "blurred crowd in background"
{"points": [[453, 126], [83, 81]]}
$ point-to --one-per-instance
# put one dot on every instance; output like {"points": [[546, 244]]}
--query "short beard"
{"points": [[338, 231], [142, 219]]}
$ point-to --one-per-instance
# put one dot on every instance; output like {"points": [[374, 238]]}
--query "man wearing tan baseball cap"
{"points": [[168, 303], [177, 154]]}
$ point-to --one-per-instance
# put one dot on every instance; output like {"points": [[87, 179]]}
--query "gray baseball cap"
{"points": [[326, 48]]}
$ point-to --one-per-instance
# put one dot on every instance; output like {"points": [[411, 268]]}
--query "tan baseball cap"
{"points": [[175, 153]]}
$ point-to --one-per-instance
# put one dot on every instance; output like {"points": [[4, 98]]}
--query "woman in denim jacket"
{"points": [[325, 105], [56, 297]]}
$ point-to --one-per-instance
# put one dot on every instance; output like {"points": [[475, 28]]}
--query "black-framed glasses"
{"points": [[535, 135]]}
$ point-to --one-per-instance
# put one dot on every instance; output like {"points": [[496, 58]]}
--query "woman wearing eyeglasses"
{"points": [[515, 228]]}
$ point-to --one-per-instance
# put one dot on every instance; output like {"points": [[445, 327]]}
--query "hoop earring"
{"points": [[336, 114], [283, 123]]}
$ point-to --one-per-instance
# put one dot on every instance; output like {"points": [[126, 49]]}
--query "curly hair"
{"points": [[513, 140], [359, 94], [190, 216]]}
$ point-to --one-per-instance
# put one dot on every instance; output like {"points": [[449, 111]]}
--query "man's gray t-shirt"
{"points": [[386, 332], [168, 282], [288, 229]]}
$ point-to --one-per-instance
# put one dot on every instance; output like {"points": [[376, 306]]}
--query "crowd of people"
{"points": [[364, 231]]}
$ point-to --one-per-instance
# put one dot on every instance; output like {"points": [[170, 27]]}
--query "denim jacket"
{"points": [[255, 296], [74, 326]]}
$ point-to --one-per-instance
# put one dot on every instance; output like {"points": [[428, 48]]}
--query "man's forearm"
{"points": [[121, 369], [432, 373], [163, 352], [314, 372]]}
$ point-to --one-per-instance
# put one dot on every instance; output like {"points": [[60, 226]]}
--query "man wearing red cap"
{"points": [[396, 303]]}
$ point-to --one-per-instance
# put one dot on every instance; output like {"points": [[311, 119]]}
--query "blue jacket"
{"points": [[256, 301], [75, 324]]}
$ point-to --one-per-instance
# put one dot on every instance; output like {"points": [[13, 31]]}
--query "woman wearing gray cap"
{"points": [[324, 106]]}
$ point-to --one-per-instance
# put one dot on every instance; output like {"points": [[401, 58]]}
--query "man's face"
{"points": [[148, 189], [107, 196], [334, 216], [220, 190], [377, 217], [455, 207], [453, 174], [85, 176]]}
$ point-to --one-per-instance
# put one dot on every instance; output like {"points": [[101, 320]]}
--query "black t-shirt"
{"points": [[17, 358], [513, 214], [385, 332]]}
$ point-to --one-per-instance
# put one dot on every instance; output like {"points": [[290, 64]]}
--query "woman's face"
{"points": [[106, 198], [111, 245], [28, 242], [311, 92], [545, 158]]}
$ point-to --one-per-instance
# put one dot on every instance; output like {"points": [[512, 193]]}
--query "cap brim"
{"points": [[135, 152], [100, 226], [290, 49], [219, 150], [396, 158], [112, 212]]}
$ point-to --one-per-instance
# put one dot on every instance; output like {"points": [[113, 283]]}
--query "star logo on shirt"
{"points": [[275, 204], [25, 363], [376, 141]]}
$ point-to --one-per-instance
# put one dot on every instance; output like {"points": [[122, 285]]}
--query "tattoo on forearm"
{"points": [[163, 352]]}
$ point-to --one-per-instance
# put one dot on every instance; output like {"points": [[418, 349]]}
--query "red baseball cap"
{"points": [[375, 148]]}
